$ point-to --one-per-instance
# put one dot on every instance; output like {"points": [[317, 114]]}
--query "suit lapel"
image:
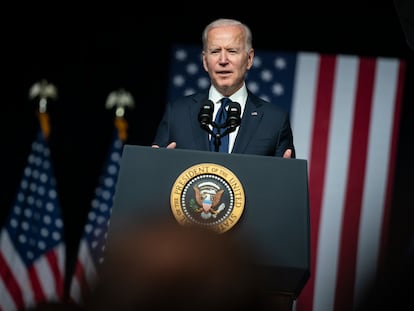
{"points": [[250, 121]]}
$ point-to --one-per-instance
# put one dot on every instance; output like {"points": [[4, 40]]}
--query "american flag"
{"points": [[32, 248], [92, 244], [345, 112]]}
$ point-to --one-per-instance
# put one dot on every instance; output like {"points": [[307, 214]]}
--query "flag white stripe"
{"points": [[89, 269], [379, 143], [75, 290], [88, 264], [18, 267], [335, 182], [6, 302], [76, 283], [45, 274], [303, 102], [60, 251]]}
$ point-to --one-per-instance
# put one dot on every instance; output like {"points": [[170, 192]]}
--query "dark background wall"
{"points": [[87, 54]]}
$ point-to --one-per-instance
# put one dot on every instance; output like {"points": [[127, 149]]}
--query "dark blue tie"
{"points": [[220, 120]]}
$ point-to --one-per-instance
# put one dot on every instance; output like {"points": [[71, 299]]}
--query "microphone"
{"points": [[205, 116], [233, 116]]}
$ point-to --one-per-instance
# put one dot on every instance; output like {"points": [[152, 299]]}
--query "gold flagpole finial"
{"points": [[120, 99], [43, 91]]}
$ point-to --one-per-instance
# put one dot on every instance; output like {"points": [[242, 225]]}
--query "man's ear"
{"points": [[250, 59]]}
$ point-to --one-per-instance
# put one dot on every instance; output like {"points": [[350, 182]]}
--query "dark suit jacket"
{"points": [[264, 130]]}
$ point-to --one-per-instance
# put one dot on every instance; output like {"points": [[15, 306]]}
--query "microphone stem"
{"points": [[217, 141]]}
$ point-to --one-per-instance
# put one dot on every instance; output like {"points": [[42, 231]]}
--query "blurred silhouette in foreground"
{"points": [[56, 306], [166, 265]]}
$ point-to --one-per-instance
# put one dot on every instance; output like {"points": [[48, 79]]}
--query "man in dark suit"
{"points": [[264, 127]]}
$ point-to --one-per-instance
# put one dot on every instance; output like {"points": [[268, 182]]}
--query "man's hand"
{"points": [[288, 154], [169, 146]]}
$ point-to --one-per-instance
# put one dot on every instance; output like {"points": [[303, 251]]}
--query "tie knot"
{"points": [[221, 115], [225, 102]]}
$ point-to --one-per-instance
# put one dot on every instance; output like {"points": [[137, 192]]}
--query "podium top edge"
{"points": [[192, 151]]}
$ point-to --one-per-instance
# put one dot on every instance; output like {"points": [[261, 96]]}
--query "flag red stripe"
{"points": [[355, 186], [11, 283], [35, 284], [317, 168], [392, 162], [54, 266], [80, 276]]}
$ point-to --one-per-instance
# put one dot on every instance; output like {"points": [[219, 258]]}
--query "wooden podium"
{"points": [[274, 216]]}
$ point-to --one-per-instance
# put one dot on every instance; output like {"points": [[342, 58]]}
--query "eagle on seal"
{"points": [[208, 202]]}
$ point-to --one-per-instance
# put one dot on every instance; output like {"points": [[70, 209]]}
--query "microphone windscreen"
{"points": [[233, 115], [205, 116]]}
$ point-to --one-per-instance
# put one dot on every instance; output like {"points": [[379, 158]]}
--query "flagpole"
{"points": [[120, 99], [45, 92]]}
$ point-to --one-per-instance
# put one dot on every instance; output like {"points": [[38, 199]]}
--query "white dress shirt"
{"points": [[240, 97]]}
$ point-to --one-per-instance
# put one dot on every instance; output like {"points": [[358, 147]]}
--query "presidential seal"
{"points": [[208, 195]]}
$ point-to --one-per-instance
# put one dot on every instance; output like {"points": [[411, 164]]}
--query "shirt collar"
{"points": [[240, 96]]}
